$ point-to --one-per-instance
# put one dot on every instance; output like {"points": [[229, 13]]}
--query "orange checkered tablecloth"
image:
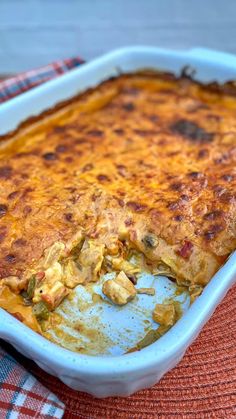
{"points": [[202, 386]]}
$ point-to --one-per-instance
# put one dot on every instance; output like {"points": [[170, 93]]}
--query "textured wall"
{"points": [[34, 32]]}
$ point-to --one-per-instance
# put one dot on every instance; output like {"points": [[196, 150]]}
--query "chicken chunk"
{"points": [[164, 314], [119, 264], [120, 290], [52, 290]]}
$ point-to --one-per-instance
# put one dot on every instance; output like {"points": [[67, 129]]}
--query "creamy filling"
{"points": [[84, 260]]}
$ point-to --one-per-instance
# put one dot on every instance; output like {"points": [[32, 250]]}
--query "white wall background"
{"points": [[35, 32]]}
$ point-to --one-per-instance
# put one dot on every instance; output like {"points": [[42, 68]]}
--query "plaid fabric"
{"points": [[25, 81], [21, 395]]}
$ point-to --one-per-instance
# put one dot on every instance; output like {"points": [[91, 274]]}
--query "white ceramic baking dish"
{"points": [[105, 376]]}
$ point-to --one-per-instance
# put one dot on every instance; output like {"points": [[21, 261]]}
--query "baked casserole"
{"points": [[137, 174]]}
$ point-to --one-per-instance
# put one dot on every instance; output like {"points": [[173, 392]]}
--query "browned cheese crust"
{"points": [[143, 160]]}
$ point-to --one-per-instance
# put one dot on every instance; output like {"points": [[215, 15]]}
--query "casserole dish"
{"points": [[133, 59]]}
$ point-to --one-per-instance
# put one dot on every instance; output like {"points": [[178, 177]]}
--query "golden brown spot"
{"points": [[226, 197], [204, 153], [10, 258], [213, 231], [3, 210], [87, 167], [27, 210], [13, 195], [103, 178], [136, 206], [121, 169], [213, 215], [191, 131], [95, 133], [179, 217], [177, 186], [61, 148], [195, 175], [119, 131], [129, 222], [50, 156], [5, 172], [227, 178], [128, 106], [173, 205], [19, 242], [68, 216], [69, 159]]}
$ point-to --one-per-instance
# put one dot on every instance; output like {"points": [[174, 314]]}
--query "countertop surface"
{"points": [[36, 32]]}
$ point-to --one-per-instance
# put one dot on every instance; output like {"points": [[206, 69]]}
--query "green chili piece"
{"points": [[41, 311], [31, 286], [150, 241]]}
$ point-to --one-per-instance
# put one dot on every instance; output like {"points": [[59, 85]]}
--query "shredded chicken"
{"points": [[52, 254], [72, 274]]}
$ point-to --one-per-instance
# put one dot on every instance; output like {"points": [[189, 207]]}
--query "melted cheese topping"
{"points": [[143, 163]]}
